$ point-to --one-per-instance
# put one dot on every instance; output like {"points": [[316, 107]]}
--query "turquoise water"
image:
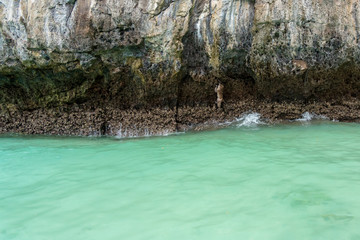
{"points": [[295, 181]]}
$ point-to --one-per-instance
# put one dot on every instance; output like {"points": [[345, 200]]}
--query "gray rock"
{"points": [[136, 53]]}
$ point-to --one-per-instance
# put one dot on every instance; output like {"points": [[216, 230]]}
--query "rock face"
{"points": [[171, 53], [325, 34]]}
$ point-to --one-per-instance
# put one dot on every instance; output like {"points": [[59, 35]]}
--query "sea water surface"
{"points": [[292, 181]]}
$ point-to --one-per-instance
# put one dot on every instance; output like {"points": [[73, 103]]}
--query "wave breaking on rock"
{"points": [[307, 116], [249, 120]]}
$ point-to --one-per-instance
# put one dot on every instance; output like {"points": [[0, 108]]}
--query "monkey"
{"points": [[299, 65], [219, 90], [302, 67]]}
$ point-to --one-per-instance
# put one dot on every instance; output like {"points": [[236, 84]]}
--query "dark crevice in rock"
{"points": [[71, 5], [179, 94], [104, 129]]}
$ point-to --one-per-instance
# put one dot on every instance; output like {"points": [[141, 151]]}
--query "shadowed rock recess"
{"points": [[138, 67]]}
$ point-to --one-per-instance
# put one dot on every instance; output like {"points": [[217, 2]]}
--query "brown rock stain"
{"points": [[82, 18]]}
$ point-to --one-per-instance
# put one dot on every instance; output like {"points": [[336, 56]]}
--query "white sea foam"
{"points": [[249, 120], [306, 116]]}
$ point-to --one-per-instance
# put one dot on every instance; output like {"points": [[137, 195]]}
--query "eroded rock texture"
{"points": [[168, 53], [325, 34]]}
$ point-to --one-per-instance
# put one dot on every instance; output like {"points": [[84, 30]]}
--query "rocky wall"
{"points": [[168, 53]]}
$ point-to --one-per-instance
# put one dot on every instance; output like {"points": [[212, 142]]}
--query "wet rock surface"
{"points": [[86, 121]]}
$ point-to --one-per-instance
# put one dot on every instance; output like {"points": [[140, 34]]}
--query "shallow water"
{"points": [[295, 181]]}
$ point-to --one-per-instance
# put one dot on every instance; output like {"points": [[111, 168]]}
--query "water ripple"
{"points": [[272, 183]]}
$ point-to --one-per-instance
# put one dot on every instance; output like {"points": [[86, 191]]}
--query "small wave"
{"points": [[306, 116], [138, 133], [249, 120]]}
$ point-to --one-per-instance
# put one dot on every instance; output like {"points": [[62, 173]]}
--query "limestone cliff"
{"points": [[138, 53]]}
